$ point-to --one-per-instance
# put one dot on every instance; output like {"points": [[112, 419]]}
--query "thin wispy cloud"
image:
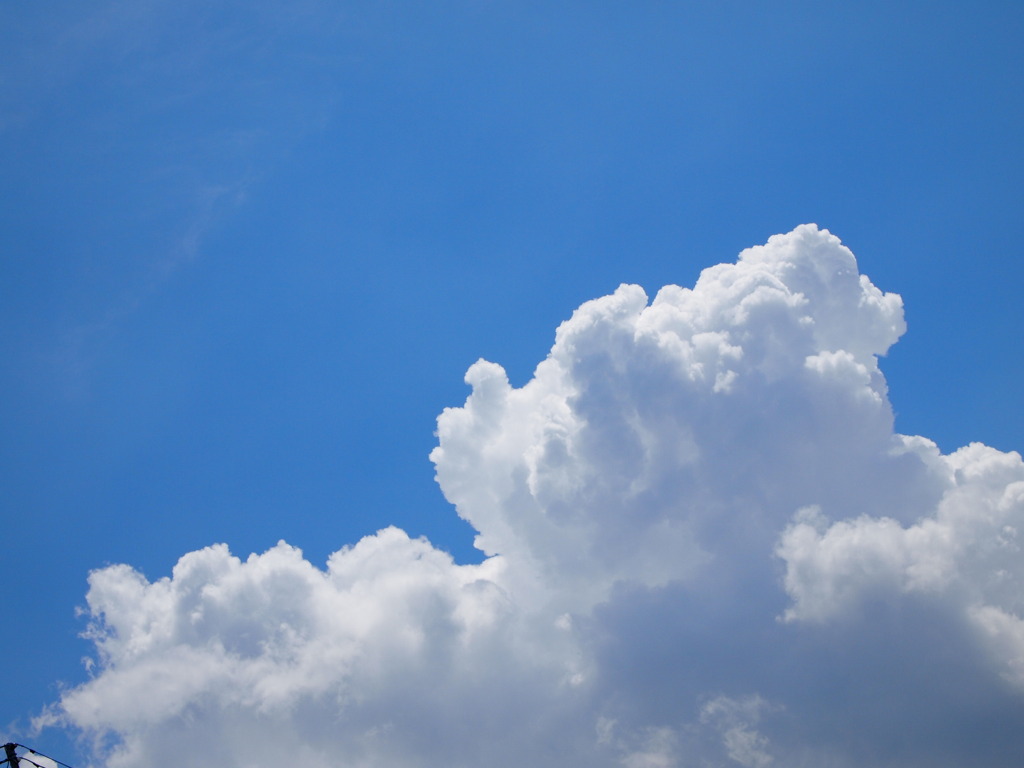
{"points": [[180, 120]]}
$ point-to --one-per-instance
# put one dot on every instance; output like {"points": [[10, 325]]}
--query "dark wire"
{"points": [[38, 754]]}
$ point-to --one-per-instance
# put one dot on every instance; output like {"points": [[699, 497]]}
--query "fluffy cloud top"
{"points": [[707, 546]]}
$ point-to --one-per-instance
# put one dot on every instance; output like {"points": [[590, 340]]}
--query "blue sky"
{"points": [[250, 251]]}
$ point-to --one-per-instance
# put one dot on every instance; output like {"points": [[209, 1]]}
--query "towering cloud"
{"points": [[707, 546]]}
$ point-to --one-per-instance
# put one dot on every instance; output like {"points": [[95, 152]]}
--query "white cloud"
{"points": [[707, 547], [735, 719], [968, 554]]}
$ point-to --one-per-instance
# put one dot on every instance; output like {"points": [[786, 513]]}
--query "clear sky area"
{"points": [[249, 251]]}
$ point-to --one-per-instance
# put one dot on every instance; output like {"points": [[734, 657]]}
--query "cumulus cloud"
{"points": [[967, 554], [706, 546]]}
